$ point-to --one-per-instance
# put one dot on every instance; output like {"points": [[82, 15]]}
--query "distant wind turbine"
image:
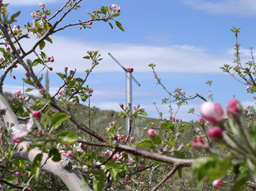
{"points": [[128, 92]]}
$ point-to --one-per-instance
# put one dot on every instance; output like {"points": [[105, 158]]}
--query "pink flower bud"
{"points": [[51, 59], [164, 134], [41, 5], [132, 139], [234, 107], [114, 157], [212, 112], [91, 90], [215, 133], [36, 114], [34, 14], [123, 181], [17, 173], [41, 90], [152, 132], [26, 173], [69, 154], [18, 92], [40, 133], [106, 153], [16, 139], [44, 16], [121, 105], [217, 183], [197, 143], [200, 120]]}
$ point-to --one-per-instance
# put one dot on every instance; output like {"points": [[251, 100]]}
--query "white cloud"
{"points": [[176, 58], [244, 8], [28, 2]]}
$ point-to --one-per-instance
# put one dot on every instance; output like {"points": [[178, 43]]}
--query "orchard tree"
{"points": [[35, 138]]}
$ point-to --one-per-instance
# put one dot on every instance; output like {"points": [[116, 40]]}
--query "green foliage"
{"points": [[67, 137], [36, 165]]}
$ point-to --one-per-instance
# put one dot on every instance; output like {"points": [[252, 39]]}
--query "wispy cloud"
{"points": [[29, 2], [244, 8], [175, 58]]}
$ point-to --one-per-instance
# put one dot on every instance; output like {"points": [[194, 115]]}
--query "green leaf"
{"points": [[84, 97], [179, 154], [180, 172], [54, 153], [49, 39], [110, 24], [111, 163], [145, 143], [211, 168], [240, 183], [141, 112], [58, 119], [99, 180], [170, 143], [63, 76], [66, 137], [36, 165], [42, 45], [167, 125], [29, 89], [28, 81], [119, 25], [156, 139], [13, 17]]}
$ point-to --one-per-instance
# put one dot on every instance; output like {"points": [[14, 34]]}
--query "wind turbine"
{"points": [[128, 95]]}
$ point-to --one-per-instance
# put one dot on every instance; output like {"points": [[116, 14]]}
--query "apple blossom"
{"points": [[51, 59], [40, 133], [69, 153], [23, 130], [197, 143], [115, 7], [215, 133], [114, 157], [131, 160], [234, 107], [212, 112], [36, 114], [44, 16], [132, 139], [152, 132], [41, 5], [17, 92], [217, 183], [17, 173], [200, 120], [34, 14]]}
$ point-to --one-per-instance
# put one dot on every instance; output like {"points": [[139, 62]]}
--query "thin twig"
{"points": [[175, 167]]}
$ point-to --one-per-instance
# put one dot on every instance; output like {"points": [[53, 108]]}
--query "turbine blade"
{"points": [[136, 81], [116, 61]]}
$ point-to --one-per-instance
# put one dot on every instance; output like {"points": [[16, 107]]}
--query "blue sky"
{"points": [[188, 40]]}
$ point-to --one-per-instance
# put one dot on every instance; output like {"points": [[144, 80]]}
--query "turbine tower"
{"points": [[128, 92]]}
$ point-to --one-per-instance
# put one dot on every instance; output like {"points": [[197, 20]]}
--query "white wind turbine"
{"points": [[128, 92]]}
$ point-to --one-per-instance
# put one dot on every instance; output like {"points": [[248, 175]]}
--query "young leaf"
{"points": [[119, 25], [36, 165], [58, 119], [54, 153], [42, 45], [145, 143], [66, 137]]}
